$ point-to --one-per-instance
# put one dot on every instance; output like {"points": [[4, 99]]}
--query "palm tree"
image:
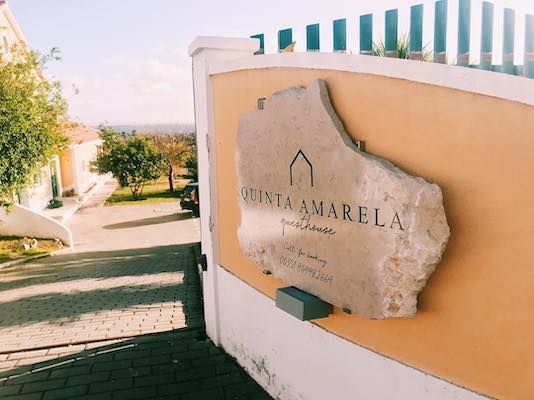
{"points": [[403, 49]]}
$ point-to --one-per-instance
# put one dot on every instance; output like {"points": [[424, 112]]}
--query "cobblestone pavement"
{"points": [[86, 297], [119, 318], [181, 364]]}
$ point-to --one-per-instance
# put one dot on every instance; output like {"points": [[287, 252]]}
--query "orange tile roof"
{"points": [[81, 134]]}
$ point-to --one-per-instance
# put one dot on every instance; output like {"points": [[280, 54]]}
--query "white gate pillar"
{"points": [[205, 50]]}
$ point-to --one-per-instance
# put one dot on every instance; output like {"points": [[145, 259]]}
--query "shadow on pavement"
{"points": [[175, 364], [160, 284], [150, 221], [181, 364], [60, 308], [98, 264]]}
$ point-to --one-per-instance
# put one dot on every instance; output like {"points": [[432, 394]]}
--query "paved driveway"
{"points": [[100, 228], [132, 272], [119, 317]]}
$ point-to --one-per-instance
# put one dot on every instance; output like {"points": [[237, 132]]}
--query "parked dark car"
{"points": [[190, 199]]}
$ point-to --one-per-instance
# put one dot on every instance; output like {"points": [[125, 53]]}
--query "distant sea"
{"points": [[155, 128]]}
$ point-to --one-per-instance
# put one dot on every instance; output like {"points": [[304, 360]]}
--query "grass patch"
{"points": [[12, 247], [156, 192]]}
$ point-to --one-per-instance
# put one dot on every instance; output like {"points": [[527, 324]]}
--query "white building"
{"points": [[77, 177]]}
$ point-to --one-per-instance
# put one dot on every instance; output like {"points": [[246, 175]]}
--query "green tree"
{"points": [[176, 149], [133, 160], [191, 162], [31, 114]]}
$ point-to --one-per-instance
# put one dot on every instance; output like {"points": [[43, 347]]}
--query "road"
{"points": [[120, 316]]}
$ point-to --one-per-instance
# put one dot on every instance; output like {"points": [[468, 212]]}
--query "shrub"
{"points": [[133, 160]]}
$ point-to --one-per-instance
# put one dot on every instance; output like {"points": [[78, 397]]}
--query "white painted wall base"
{"points": [[295, 359], [205, 50]]}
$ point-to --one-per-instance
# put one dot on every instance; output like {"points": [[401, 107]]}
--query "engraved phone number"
{"points": [[306, 270]]}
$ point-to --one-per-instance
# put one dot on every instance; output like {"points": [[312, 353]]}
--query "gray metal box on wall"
{"points": [[302, 305]]}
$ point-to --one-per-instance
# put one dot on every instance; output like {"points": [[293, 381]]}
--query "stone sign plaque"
{"points": [[343, 225]]}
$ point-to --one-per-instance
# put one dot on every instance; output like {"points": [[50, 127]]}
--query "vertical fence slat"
{"points": [[392, 24], [440, 32], [416, 32], [486, 45], [366, 34], [340, 35], [529, 46], [464, 32], [312, 37], [262, 43], [508, 41], [415, 40], [285, 38]]}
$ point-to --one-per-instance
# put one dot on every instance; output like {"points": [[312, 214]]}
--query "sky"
{"points": [[126, 61]]}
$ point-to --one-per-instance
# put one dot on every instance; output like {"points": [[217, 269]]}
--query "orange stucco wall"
{"points": [[475, 324]]}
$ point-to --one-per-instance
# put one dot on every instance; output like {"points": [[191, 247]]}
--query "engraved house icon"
{"points": [[300, 156]]}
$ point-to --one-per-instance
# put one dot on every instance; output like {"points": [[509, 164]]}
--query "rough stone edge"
{"points": [[407, 309], [324, 96]]}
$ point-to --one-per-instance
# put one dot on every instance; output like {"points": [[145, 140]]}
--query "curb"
{"points": [[23, 260]]}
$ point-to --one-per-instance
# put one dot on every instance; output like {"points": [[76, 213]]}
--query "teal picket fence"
{"points": [[416, 50]]}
